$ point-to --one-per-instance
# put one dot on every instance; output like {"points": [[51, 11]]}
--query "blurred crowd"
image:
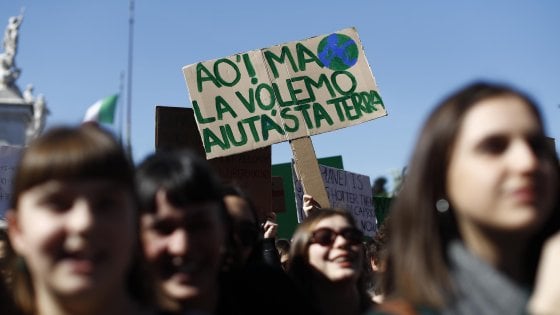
{"points": [[473, 229]]}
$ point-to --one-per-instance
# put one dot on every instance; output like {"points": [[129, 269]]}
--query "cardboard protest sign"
{"points": [[265, 96], [306, 170], [346, 190], [278, 201], [176, 128], [288, 221], [9, 157]]}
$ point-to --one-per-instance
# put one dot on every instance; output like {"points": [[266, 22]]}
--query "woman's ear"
{"points": [[14, 231]]}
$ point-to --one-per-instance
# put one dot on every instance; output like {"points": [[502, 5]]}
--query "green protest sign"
{"points": [[302, 88]]}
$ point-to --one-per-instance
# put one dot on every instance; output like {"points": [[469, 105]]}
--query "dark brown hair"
{"points": [[67, 153], [417, 263], [298, 264], [74, 153]]}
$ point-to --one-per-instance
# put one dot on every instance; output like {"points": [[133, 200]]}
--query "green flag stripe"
{"points": [[107, 110]]}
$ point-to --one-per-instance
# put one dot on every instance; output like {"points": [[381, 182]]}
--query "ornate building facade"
{"points": [[22, 115]]}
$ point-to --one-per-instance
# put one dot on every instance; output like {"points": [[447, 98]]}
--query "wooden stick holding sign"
{"points": [[286, 92], [307, 170]]}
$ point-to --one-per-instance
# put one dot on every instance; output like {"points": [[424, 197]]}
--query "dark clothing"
{"points": [[260, 289], [270, 253]]}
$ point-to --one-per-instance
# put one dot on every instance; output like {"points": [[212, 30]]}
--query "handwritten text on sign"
{"points": [[9, 157], [284, 92], [346, 190]]}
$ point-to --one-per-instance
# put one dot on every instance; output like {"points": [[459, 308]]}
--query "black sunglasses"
{"points": [[326, 236]]}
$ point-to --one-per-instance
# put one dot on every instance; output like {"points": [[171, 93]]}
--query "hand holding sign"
{"points": [[309, 204], [282, 93]]}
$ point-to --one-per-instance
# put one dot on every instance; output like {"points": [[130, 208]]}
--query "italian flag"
{"points": [[103, 110]]}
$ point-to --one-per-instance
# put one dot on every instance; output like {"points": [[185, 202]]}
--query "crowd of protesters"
{"points": [[473, 230]]}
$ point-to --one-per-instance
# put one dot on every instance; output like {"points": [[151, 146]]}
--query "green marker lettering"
{"points": [[267, 125], [199, 118], [251, 122], [271, 58], [359, 103], [350, 111], [286, 116], [249, 104], [338, 86], [368, 102], [303, 108], [377, 98], [243, 135], [248, 65], [266, 101], [322, 80], [281, 101], [232, 65], [302, 52], [294, 92], [337, 105], [210, 139], [202, 70], [321, 114], [223, 107]]}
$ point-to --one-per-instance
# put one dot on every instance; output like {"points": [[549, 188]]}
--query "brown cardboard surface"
{"points": [[307, 170], [284, 92], [176, 128], [278, 198], [346, 190]]}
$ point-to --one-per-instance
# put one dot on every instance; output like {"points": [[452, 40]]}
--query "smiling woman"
{"points": [[185, 229], [74, 226], [326, 261]]}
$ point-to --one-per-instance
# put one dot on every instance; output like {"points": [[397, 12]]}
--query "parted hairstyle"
{"points": [[417, 268], [298, 264], [63, 153]]}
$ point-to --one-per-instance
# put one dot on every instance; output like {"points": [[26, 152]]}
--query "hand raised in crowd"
{"points": [[310, 204], [270, 227]]}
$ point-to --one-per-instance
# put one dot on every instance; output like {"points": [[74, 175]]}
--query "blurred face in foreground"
{"points": [[498, 177], [77, 238], [244, 225], [185, 246], [335, 249]]}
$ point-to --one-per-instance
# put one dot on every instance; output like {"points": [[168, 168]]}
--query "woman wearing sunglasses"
{"points": [[326, 261]]}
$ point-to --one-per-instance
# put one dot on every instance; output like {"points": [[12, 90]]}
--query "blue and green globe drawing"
{"points": [[338, 52]]}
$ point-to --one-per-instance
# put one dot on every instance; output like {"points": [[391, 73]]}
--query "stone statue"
{"points": [[40, 112], [28, 94], [23, 123], [8, 70]]}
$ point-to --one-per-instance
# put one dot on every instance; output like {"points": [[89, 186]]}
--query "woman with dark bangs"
{"points": [[186, 231], [74, 226]]}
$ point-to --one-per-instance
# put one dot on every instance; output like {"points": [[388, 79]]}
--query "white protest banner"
{"points": [[265, 96], [9, 157], [346, 190]]}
